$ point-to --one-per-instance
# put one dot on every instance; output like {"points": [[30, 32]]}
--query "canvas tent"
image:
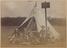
{"points": [[39, 17]]}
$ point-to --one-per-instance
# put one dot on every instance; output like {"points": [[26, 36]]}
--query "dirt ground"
{"points": [[5, 42]]}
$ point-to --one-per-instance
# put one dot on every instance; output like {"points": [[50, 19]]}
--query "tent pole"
{"points": [[46, 27], [46, 19]]}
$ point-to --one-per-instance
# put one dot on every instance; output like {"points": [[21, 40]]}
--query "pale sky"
{"points": [[23, 8]]}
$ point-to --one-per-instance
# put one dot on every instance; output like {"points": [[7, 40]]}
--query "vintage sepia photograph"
{"points": [[33, 24]]}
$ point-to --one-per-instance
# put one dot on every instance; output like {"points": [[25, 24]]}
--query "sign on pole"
{"points": [[45, 5]]}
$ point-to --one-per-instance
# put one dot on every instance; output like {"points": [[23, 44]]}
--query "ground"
{"points": [[5, 42]]}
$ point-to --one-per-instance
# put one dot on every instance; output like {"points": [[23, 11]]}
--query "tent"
{"points": [[37, 20]]}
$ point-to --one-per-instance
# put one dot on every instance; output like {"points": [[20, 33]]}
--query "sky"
{"points": [[11, 8]]}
